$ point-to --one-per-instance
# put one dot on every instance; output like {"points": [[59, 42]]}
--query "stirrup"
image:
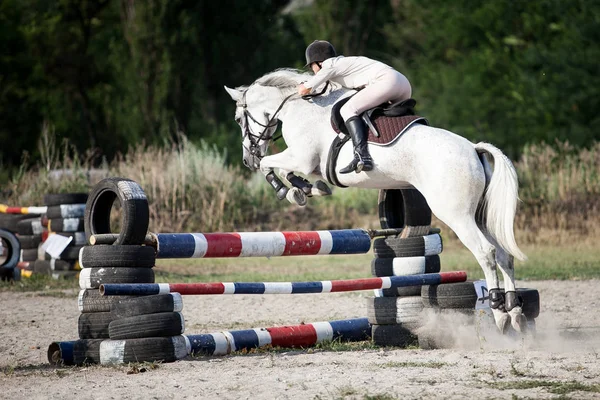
{"points": [[364, 164], [351, 167]]}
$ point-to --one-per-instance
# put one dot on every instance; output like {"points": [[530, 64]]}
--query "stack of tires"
{"points": [[28, 231], [64, 217], [121, 329], [10, 250], [395, 314]]}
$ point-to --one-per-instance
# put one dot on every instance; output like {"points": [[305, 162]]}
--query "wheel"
{"points": [[117, 256], [395, 310], [134, 206], [165, 349], [92, 278], [450, 295], [139, 305], [147, 325], [394, 246]]}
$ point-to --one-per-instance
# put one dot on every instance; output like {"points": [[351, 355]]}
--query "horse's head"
{"points": [[257, 120]]}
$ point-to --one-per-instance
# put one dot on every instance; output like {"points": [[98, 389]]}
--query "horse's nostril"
{"points": [[245, 162]]}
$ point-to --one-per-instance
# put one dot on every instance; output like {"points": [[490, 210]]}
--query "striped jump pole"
{"points": [[78, 352], [22, 210], [262, 244], [305, 335], [346, 285]]}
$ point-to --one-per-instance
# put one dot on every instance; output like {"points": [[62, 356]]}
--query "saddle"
{"points": [[386, 121]]}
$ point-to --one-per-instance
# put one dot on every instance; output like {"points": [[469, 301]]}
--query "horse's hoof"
{"points": [[296, 196], [502, 320], [320, 188], [518, 320]]}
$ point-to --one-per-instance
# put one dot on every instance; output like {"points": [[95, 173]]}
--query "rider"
{"points": [[379, 83]]}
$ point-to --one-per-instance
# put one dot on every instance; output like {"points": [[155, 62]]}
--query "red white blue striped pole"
{"points": [[262, 244], [347, 285], [305, 335]]}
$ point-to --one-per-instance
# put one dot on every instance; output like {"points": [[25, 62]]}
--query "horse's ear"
{"points": [[235, 94]]}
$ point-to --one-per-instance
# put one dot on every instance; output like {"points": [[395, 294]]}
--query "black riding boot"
{"points": [[362, 159]]}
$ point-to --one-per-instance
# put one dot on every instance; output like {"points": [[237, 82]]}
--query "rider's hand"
{"points": [[303, 90]]}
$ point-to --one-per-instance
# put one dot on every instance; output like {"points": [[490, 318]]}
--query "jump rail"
{"points": [[346, 285], [79, 352]]}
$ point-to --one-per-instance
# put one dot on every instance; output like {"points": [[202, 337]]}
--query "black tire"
{"points": [[134, 206], [56, 199], [66, 225], [85, 351], [90, 301], [117, 256], [30, 241], [393, 246], [170, 302], [401, 266], [66, 211], [47, 267], [9, 221], [12, 246], [400, 208], [148, 325], [165, 349], [395, 310], [450, 295], [92, 278], [30, 226], [29, 255], [393, 335], [531, 302], [94, 325], [391, 208]]}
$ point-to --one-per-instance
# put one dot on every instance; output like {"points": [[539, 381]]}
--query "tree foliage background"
{"points": [[108, 74]]}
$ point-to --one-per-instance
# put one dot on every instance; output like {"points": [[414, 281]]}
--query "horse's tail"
{"points": [[499, 203]]}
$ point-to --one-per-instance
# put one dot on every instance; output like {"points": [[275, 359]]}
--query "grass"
{"points": [[560, 388], [544, 263], [414, 364]]}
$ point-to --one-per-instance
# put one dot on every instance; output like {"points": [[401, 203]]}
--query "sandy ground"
{"points": [[563, 359]]}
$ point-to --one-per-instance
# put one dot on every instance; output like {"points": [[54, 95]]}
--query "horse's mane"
{"points": [[287, 79], [283, 78]]}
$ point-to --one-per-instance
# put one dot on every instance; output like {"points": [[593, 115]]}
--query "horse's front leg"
{"points": [[287, 162], [319, 188]]}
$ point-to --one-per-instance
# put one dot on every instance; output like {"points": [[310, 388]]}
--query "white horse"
{"points": [[449, 171]]}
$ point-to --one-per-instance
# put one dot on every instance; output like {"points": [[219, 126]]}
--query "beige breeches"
{"points": [[388, 86]]}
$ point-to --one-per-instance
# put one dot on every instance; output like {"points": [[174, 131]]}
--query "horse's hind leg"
{"points": [[512, 303], [472, 237]]}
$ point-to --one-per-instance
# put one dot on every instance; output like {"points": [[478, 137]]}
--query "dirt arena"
{"points": [[562, 360]]}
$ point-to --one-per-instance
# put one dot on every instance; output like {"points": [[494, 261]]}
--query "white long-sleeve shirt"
{"points": [[350, 72]]}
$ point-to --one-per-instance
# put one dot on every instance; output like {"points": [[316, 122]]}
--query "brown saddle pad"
{"points": [[390, 128]]}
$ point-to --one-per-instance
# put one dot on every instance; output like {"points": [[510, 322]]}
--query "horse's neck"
{"points": [[307, 123]]}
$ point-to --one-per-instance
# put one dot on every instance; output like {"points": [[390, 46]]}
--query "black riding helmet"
{"points": [[319, 51]]}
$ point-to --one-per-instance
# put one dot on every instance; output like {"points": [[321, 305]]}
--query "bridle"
{"points": [[255, 139]]}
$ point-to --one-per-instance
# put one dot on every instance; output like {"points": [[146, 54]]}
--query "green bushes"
{"points": [[192, 188]]}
